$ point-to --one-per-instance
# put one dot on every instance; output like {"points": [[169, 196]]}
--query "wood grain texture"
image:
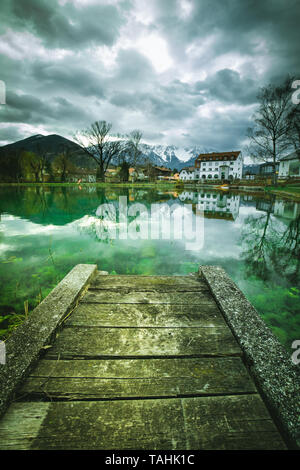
{"points": [[132, 342], [227, 422], [150, 283], [143, 315], [144, 297], [111, 379]]}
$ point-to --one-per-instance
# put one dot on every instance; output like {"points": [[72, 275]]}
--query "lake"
{"points": [[45, 231]]}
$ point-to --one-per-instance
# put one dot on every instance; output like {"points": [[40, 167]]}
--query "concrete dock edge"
{"points": [[270, 365], [23, 347]]}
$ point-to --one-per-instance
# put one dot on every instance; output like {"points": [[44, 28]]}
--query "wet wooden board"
{"points": [[142, 362], [133, 297], [143, 342], [150, 283], [143, 315], [95, 379], [226, 422]]}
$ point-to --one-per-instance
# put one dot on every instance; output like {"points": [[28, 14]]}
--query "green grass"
{"points": [[293, 189], [160, 184]]}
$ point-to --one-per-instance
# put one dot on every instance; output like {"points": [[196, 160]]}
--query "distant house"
{"points": [[161, 171], [187, 174], [289, 166], [219, 166], [82, 176], [136, 174], [267, 169], [250, 176]]}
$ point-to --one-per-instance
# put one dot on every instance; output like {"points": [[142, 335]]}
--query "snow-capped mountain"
{"points": [[172, 156]]}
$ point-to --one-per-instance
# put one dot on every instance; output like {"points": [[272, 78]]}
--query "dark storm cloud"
{"points": [[31, 110], [70, 77], [65, 26], [68, 63], [10, 134], [247, 27], [173, 102], [227, 86]]}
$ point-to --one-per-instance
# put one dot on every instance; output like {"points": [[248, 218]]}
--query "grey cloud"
{"points": [[67, 92], [31, 110], [10, 134], [67, 77], [66, 26], [174, 102], [227, 86], [245, 27]]}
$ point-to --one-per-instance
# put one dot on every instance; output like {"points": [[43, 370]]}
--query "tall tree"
{"points": [[98, 144], [32, 165], [131, 154], [133, 146], [294, 127], [269, 137], [63, 164]]}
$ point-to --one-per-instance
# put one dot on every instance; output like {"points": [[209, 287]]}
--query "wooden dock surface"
{"points": [[142, 362]]}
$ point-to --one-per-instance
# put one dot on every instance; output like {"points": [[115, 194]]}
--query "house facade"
{"points": [[219, 166], [187, 174], [289, 166], [267, 169]]}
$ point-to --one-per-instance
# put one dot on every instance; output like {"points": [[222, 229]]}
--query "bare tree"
{"points": [[269, 137], [133, 146], [294, 127], [131, 154], [97, 143]]}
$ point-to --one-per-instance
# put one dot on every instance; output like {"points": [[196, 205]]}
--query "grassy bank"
{"points": [[285, 191], [100, 185]]}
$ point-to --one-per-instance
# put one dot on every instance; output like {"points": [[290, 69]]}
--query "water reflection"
{"points": [[44, 232]]}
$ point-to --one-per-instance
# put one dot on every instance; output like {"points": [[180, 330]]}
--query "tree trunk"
{"points": [[100, 176]]}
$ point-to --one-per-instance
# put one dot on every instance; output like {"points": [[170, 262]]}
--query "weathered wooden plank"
{"points": [[132, 297], [150, 283], [144, 315], [146, 368], [230, 422], [131, 342], [108, 379]]}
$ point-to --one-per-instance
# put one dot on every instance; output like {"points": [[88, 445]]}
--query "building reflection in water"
{"points": [[214, 204]]}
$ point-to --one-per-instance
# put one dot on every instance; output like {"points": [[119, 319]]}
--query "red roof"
{"points": [[218, 156]]}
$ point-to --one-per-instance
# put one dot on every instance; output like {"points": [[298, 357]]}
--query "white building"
{"points": [[187, 174], [219, 166], [289, 166]]}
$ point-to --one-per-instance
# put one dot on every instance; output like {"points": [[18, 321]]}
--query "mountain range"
{"points": [[169, 156]]}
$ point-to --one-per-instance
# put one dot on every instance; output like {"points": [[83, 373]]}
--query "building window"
{"points": [[209, 176]]}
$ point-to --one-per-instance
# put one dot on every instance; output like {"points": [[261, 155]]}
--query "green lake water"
{"points": [[45, 231]]}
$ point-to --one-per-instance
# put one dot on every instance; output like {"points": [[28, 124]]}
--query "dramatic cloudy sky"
{"points": [[185, 72]]}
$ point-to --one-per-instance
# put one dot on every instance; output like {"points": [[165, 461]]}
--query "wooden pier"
{"points": [[131, 362]]}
